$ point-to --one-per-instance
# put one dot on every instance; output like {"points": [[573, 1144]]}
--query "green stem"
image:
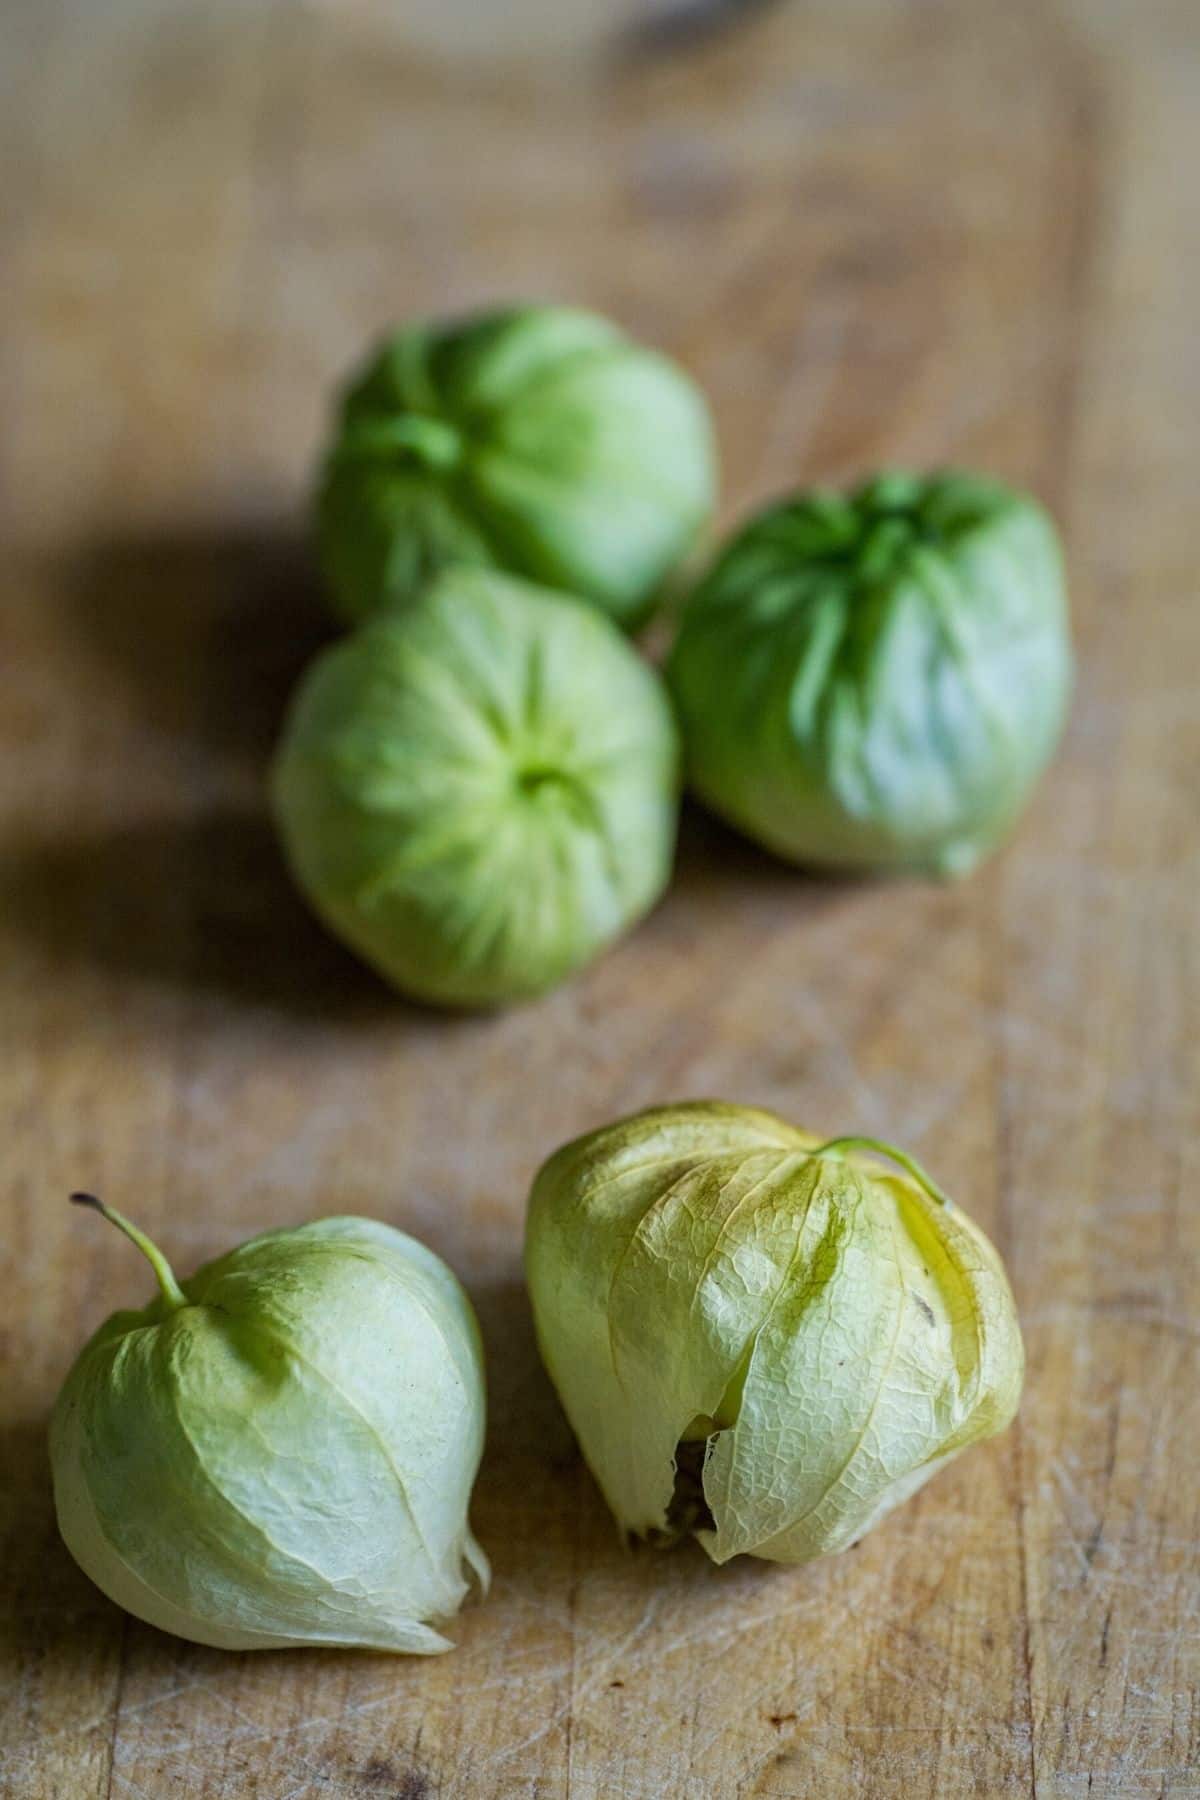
{"points": [[879, 1148], [434, 443], [172, 1293]]}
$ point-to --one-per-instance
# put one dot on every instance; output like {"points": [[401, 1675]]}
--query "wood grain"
{"points": [[875, 231]]}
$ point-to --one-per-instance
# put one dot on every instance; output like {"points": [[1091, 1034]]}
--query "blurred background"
{"points": [[859, 224], [877, 231]]}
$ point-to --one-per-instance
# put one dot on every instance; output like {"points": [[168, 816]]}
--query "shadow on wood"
{"points": [[47, 1600], [203, 903], [712, 853], [209, 630]]}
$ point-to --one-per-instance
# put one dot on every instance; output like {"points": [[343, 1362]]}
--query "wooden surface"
{"points": [[876, 232]]}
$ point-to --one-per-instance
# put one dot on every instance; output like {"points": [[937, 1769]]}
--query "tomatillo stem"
{"points": [[907, 1163], [172, 1293]]}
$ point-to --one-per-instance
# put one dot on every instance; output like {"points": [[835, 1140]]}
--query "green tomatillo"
{"points": [[536, 439], [280, 1451], [480, 793], [875, 681], [760, 1338]]}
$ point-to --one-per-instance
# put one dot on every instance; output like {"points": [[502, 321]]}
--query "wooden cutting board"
{"points": [[877, 232]]}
